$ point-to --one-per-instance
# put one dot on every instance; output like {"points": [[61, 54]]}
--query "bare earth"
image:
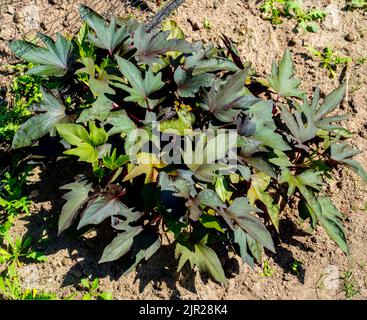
{"points": [[323, 264]]}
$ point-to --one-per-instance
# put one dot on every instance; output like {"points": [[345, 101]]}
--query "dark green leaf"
{"points": [[282, 79], [307, 119], [99, 110], [342, 152], [120, 245], [240, 212], [203, 257], [121, 123], [51, 61], [100, 209], [107, 36], [189, 85], [141, 88], [75, 199], [261, 116], [258, 192], [151, 45], [39, 125], [241, 239], [206, 60], [225, 101]]}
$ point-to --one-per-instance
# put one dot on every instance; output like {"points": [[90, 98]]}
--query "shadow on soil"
{"points": [[84, 251], [284, 257]]}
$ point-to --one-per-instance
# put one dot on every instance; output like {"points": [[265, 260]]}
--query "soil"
{"points": [[323, 265]]}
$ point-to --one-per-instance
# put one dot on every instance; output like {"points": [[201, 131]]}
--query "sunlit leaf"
{"points": [[282, 79], [50, 61]]}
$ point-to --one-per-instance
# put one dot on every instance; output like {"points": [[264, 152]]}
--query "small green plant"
{"points": [[12, 201], [13, 251], [25, 92], [92, 290], [276, 10], [25, 87], [268, 271], [11, 289], [330, 60], [349, 285], [207, 24], [361, 60], [296, 267], [273, 11], [357, 4]]}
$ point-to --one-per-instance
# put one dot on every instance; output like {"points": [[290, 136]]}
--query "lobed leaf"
{"points": [[342, 152], [258, 192], [240, 211], [102, 208], [42, 124], [51, 61], [307, 119], [107, 36], [203, 257], [151, 45], [282, 79], [77, 196], [141, 88]]}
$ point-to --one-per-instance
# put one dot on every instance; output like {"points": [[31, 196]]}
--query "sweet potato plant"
{"points": [[180, 145]]}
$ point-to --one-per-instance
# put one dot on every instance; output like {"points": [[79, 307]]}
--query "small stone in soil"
{"points": [[295, 42], [216, 4], [34, 193], [350, 37], [196, 25]]}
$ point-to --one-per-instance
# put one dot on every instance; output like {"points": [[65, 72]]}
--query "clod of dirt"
{"points": [[196, 24], [351, 37], [295, 41]]}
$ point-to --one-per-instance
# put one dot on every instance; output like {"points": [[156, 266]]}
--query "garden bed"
{"points": [[303, 265]]}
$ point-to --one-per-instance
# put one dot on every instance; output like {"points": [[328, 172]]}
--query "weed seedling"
{"points": [[25, 91], [296, 267], [329, 60], [357, 4], [92, 290], [12, 200], [267, 269], [361, 61], [276, 10], [207, 24], [10, 289], [349, 285], [14, 250]]}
